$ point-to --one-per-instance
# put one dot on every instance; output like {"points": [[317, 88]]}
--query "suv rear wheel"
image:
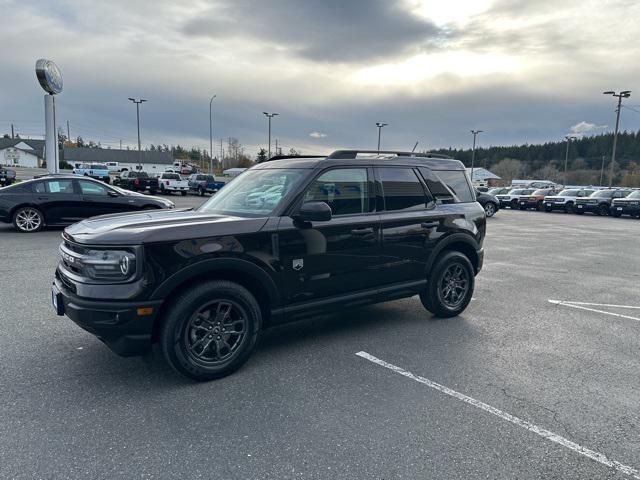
{"points": [[450, 286], [211, 330]]}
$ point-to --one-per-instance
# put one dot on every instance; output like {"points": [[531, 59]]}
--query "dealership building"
{"points": [[18, 152], [151, 161]]}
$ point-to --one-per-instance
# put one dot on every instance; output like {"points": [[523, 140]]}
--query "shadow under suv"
{"points": [[338, 231]]}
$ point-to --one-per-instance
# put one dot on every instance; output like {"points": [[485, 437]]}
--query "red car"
{"points": [[535, 200]]}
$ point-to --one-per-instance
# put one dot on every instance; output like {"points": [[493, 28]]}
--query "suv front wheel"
{"points": [[450, 286], [211, 330]]}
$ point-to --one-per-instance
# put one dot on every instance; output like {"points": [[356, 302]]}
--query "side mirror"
{"points": [[313, 212], [112, 193]]}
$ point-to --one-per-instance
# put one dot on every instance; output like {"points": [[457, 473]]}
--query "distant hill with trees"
{"points": [[546, 161]]}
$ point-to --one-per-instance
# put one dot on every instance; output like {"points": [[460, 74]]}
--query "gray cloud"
{"points": [[355, 31]]}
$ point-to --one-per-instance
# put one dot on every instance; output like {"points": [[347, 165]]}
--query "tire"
{"points": [[28, 220], [162, 189], [201, 192], [490, 209], [548, 209], [539, 206], [603, 210], [434, 296], [513, 204], [152, 192], [183, 193], [568, 208], [204, 308], [107, 180], [616, 214], [579, 212], [523, 207]]}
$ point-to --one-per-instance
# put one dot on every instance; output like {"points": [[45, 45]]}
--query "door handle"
{"points": [[429, 224], [362, 231]]}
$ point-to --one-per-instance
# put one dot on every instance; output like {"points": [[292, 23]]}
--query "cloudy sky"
{"points": [[521, 70]]}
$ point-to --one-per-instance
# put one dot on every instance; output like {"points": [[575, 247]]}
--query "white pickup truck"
{"points": [[171, 182]]}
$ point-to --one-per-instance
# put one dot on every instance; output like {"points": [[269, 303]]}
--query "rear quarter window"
{"points": [[448, 186]]}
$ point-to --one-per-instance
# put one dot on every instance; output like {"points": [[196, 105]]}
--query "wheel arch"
{"points": [[242, 272], [460, 242]]}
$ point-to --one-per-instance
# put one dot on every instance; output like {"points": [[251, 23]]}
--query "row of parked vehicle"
{"points": [[578, 200], [168, 183]]}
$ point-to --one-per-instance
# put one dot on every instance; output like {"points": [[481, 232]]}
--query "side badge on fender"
{"points": [[298, 263]]}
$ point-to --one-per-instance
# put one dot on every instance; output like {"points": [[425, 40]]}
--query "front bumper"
{"points": [[555, 205], [626, 209], [115, 323], [587, 207]]}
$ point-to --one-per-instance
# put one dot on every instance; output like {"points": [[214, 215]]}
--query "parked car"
{"points": [[99, 171], [535, 199], [565, 200], [113, 167], [499, 190], [205, 283], [137, 182], [512, 198], [201, 183], [599, 202], [65, 199], [7, 176], [489, 202], [629, 205], [172, 182]]}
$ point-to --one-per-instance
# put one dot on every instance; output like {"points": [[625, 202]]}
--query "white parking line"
{"points": [[597, 304], [582, 307], [593, 455]]}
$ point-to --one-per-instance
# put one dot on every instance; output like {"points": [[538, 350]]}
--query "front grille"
{"points": [[66, 282]]}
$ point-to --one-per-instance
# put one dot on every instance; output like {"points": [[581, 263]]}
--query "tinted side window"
{"points": [[437, 188], [59, 186], [402, 189], [456, 182], [92, 188], [345, 190]]}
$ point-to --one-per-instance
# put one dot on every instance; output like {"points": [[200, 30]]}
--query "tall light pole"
{"points": [[568, 138], [473, 151], [621, 95], [380, 125], [270, 116], [211, 131], [138, 102]]}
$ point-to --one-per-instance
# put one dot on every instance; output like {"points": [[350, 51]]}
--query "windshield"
{"points": [[517, 191], [494, 191], [254, 193], [542, 191], [569, 193], [602, 194], [635, 194]]}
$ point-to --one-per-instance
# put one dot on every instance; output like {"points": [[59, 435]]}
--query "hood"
{"points": [[154, 226]]}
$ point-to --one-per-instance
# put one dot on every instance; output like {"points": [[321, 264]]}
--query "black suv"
{"points": [[599, 202], [286, 239]]}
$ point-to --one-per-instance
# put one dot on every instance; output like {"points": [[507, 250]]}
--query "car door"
{"points": [[57, 200], [335, 257], [96, 199], [410, 223]]}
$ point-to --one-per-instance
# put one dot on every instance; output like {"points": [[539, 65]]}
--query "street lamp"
{"points": [[568, 138], [621, 95], [211, 132], [138, 102], [270, 116], [380, 125], [473, 151]]}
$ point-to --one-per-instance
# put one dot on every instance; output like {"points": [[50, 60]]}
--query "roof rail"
{"points": [[281, 157], [343, 154]]}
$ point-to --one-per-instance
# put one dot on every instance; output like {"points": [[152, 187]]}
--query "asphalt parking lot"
{"points": [[520, 386]]}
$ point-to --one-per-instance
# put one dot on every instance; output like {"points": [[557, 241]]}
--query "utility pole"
{"points": [[138, 102], [473, 151], [568, 138], [602, 170], [276, 146], [621, 95], [12, 135], [211, 130], [270, 116], [120, 144], [68, 132], [380, 125]]}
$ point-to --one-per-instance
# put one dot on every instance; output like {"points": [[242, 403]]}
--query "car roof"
{"points": [[384, 159]]}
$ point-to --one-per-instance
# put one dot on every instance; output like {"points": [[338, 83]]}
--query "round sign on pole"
{"points": [[49, 76]]}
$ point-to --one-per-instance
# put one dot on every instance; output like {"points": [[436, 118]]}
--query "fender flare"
{"points": [[216, 264], [450, 240]]}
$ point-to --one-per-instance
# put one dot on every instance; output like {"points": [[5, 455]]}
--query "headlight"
{"points": [[108, 264]]}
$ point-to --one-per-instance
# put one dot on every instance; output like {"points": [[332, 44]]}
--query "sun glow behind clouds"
{"points": [[425, 66], [449, 11]]}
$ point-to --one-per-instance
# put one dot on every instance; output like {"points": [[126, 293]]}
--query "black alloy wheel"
{"points": [[514, 204], [450, 286], [603, 210], [568, 208], [210, 330]]}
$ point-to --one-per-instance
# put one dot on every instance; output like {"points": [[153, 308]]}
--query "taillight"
{"points": [[167, 182], [136, 181]]}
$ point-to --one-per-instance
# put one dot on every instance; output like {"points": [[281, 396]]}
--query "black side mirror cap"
{"points": [[313, 212]]}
